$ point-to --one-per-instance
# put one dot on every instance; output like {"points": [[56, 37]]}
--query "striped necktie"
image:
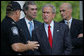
{"points": [[68, 23]]}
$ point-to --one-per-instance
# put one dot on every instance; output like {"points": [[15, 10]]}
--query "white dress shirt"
{"points": [[70, 21], [51, 28], [27, 23]]}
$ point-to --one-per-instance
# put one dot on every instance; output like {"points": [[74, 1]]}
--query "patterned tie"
{"points": [[30, 28], [49, 36], [68, 23]]}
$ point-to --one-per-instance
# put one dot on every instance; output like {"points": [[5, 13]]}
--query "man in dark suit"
{"points": [[75, 27], [27, 24], [53, 37]]}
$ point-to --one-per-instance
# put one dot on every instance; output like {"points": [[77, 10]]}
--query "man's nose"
{"points": [[35, 11], [45, 14]]}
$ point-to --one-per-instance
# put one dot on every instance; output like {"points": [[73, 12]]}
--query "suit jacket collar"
{"points": [[35, 24], [34, 21], [72, 24], [56, 33]]}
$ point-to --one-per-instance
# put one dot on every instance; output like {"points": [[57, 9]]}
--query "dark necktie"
{"points": [[49, 36], [68, 23]]}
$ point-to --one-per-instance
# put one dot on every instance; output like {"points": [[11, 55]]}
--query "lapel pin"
{"points": [[57, 30], [13, 22]]}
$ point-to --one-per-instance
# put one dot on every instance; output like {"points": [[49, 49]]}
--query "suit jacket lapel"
{"points": [[55, 34], [44, 36], [72, 26], [25, 29], [35, 24]]}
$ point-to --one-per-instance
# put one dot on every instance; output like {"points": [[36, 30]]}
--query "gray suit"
{"points": [[61, 40]]}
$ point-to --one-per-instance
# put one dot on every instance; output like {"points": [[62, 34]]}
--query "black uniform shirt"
{"points": [[10, 34]]}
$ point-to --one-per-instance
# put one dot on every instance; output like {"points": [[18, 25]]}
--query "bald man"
{"points": [[75, 27]]}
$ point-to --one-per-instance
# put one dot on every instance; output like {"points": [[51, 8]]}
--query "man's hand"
{"points": [[80, 35], [20, 47], [32, 45]]}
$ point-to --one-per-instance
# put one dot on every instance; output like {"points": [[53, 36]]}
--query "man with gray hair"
{"points": [[75, 27], [28, 24], [53, 37]]}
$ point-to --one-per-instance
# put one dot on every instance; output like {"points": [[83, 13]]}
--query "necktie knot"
{"points": [[49, 26], [30, 22], [68, 22]]}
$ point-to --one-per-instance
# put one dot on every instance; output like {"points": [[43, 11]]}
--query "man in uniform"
{"points": [[12, 39]]}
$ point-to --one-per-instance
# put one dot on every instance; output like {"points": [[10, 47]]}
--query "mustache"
{"points": [[34, 14]]}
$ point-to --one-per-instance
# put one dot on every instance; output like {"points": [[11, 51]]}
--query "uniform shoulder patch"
{"points": [[13, 22], [14, 30]]}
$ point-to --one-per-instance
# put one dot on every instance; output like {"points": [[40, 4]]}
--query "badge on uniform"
{"points": [[14, 30], [13, 22]]}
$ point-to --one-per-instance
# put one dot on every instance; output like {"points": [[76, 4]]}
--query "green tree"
{"points": [[40, 4], [3, 9]]}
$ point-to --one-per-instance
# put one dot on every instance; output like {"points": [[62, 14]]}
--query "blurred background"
{"points": [[76, 5]]}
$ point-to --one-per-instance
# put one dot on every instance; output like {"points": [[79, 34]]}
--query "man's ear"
{"points": [[17, 12]]}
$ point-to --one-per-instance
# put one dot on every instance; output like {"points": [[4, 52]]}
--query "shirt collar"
{"points": [[51, 24], [28, 20], [69, 21]]}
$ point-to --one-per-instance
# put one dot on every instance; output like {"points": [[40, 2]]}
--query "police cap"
{"points": [[13, 6]]}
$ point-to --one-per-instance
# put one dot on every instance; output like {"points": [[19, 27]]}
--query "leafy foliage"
{"points": [[75, 6]]}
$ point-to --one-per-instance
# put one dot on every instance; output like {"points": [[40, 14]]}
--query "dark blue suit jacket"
{"points": [[77, 43], [61, 40], [23, 27]]}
